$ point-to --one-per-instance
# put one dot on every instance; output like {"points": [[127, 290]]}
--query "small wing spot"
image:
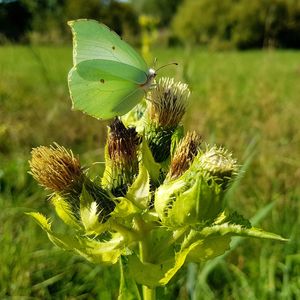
{"points": [[113, 47], [102, 80]]}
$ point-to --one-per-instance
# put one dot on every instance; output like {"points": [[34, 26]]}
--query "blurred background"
{"points": [[241, 61]]}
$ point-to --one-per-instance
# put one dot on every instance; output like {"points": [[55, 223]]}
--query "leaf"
{"points": [[159, 274], [147, 273], [151, 165], [92, 250], [64, 211], [124, 208], [210, 248], [128, 288], [234, 229], [210, 265], [139, 192], [90, 215], [41, 220], [176, 137]]}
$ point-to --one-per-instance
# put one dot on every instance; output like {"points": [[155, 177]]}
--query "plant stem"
{"points": [[148, 293]]}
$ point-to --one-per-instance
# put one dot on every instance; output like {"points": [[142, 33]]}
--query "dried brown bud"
{"points": [[122, 143], [184, 154], [122, 158]]}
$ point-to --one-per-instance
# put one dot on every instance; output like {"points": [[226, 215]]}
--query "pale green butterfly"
{"points": [[108, 77]]}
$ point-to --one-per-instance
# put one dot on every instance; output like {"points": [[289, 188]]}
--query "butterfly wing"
{"points": [[93, 40], [107, 74], [99, 88]]}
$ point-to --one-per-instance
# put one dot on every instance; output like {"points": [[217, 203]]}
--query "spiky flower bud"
{"points": [[59, 171], [220, 164], [183, 157], [169, 100], [121, 158], [196, 196], [166, 107]]}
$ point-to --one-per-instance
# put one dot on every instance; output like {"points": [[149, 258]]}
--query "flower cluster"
{"points": [[160, 201]]}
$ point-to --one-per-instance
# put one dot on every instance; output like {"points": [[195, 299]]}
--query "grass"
{"points": [[239, 99]]}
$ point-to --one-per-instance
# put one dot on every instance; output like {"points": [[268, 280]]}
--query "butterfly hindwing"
{"points": [[101, 94]]}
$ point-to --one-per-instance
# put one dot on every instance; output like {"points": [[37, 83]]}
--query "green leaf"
{"points": [[180, 204], [92, 250], [238, 230], [161, 273], [64, 211], [41, 220], [90, 215], [128, 288], [147, 273], [125, 208], [151, 165], [210, 265], [209, 248], [176, 137], [139, 192]]}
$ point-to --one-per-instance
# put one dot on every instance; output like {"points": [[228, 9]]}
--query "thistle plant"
{"points": [[152, 230], [160, 202]]}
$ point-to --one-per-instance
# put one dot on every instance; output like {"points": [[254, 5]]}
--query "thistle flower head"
{"points": [[220, 164], [169, 100], [122, 158], [165, 110], [56, 169], [184, 154], [122, 142]]}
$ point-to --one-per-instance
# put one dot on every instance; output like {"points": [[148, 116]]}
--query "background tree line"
{"points": [[223, 24]]}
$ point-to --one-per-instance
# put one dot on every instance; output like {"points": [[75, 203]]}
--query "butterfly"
{"points": [[108, 77]]}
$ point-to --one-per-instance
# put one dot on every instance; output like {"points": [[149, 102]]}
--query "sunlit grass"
{"points": [[238, 99]]}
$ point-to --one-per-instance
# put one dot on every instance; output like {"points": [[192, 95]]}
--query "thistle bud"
{"points": [[219, 164], [121, 158], [59, 171], [196, 196], [168, 103], [183, 157]]}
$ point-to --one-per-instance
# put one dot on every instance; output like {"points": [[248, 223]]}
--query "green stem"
{"points": [[148, 293]]}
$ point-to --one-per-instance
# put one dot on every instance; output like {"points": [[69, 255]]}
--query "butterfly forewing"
{"points": [[93, 40]]}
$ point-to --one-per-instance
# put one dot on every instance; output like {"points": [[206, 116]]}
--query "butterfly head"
{"points": [[151, 75]]}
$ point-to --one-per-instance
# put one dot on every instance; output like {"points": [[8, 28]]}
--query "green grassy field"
{"points": [[248, 102]]}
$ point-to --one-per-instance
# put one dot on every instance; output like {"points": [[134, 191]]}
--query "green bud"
{"points": [[121, 158], [218, 163], [165, 109], [196, 196]]}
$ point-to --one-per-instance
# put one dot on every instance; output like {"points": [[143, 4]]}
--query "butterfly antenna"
{"points": [[173, 63]]}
